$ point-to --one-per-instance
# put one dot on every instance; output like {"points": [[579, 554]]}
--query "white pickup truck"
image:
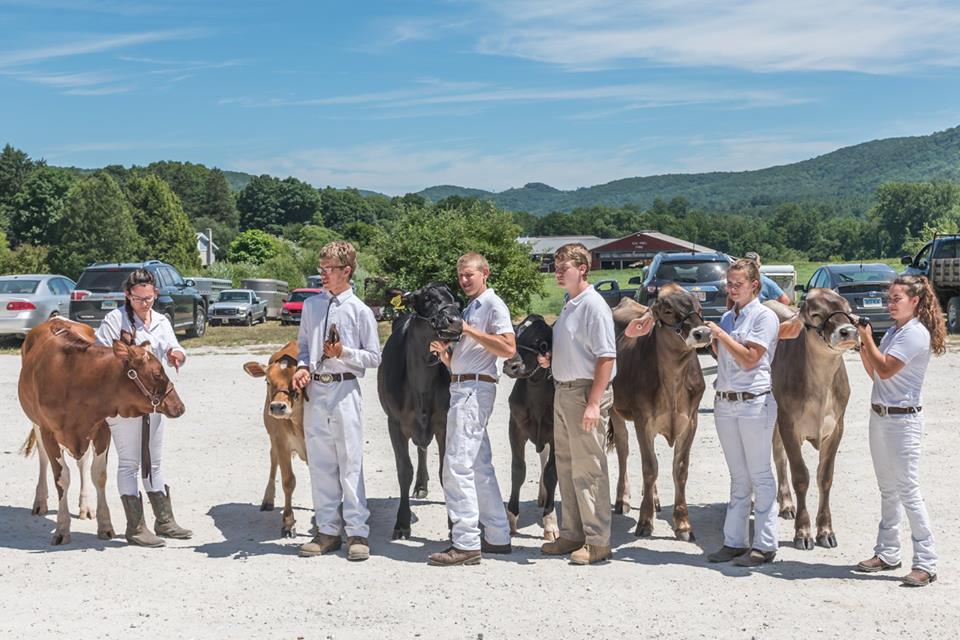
{"points": [[238, 306]]}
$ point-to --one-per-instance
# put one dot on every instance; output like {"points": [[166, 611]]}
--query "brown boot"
{"points": [[726, 554], [590, 554], [560, 547], [919, 578], [165, 525], [321, 544], [875, 564], [137, 532], [358, 548], [453, 557]]}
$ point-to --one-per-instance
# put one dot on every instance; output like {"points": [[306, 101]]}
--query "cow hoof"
{"points": [[400, 533], [85, 513], [827, 540], [643, 530], [420, 494], [788, 513], [512, 519], [266, 506], [106, 534], [39, 509], [685, 536], [621, 507], [551, 536], [287, 533], [60, 538], [803, 543]]}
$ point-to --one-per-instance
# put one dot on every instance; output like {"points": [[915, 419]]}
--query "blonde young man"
{"points": [[332, 416], [583, 364], [469, 482]]}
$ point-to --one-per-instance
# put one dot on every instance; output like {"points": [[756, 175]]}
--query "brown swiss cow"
{"points": [[69, 386], [811, 389], [283, 419], [658, 386]]}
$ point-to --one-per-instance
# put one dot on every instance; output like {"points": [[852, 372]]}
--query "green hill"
{"points": [[846, 178]]}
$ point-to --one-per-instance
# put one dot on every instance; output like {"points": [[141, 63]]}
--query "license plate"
{"points": [[872, 303], [108, 304]]}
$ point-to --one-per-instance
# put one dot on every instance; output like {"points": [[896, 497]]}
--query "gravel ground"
{"points": [[238, 579]]}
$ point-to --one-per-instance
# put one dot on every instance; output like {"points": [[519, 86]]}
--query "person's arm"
{"points": [[748, 354], [502, 345], [176, 355], [301, 378], [885, 365], [783, 298], [367, 356], [601, 378]]}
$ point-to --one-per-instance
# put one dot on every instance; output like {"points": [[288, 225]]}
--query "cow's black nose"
{"points": [[278, 407]]}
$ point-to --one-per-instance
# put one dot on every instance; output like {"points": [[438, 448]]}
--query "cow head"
{"points": [[534, 338], [677, 312], [826, 313], [436, 304], [280, 390], [149, 389]]}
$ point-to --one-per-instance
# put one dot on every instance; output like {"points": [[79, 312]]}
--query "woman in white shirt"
{"points": [[745, 414], [897, 368], [137, 318]]}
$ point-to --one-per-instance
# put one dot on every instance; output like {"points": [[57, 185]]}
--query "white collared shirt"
{"points": [[910, 344], [583, 333], [757, 324], [489, 314], [159, 334], [355, 324]]}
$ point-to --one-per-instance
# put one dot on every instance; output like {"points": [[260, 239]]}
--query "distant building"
{"points": [[542, 248], [634, 250], [206, 248]]}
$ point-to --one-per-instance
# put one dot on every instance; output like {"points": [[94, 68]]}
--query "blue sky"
{"points": [[396, 96]]}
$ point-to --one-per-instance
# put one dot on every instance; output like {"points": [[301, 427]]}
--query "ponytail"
{"points": [[928, 312]]}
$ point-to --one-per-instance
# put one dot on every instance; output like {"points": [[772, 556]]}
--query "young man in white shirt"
{"points": [[329, 363], [469, 483]]}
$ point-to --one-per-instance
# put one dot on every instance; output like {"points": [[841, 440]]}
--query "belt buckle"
{"points": [[326, 378], [882, 410]]}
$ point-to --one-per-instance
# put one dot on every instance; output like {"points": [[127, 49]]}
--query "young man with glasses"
{"points": [[329, 363]]}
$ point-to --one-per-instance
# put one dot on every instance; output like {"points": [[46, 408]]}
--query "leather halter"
{"points": [[678, 326]]}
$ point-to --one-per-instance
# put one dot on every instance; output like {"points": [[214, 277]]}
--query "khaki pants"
{"points": [[582, 464]]}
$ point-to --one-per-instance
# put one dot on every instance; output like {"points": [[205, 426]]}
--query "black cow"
{"points": [[414, 387], [531, 418]]}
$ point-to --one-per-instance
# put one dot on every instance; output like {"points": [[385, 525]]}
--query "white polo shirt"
{"points": [[583, 333], [355, 324], [487, 313], [910, 344], [159, 334], [757, 324]]}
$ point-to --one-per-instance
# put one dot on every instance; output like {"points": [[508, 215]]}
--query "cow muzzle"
{"points": [[844, 337], [699, 337], [280, 410]]}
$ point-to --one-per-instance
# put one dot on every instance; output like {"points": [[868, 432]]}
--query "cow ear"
{"points": [[121, 349], [126, 336], [254, 369]]}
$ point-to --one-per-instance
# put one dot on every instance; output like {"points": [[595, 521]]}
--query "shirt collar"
{"points": [[342, 296], [580, 297], [747, 309]]}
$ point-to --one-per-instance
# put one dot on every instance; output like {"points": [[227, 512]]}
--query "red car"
{"points": [[293, 307]]}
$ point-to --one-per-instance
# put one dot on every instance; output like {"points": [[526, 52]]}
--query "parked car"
{"points": [[702, 274], [238, 306], [100, 290], [939, 261], [293, 307], [863, 285], [28, 300]]}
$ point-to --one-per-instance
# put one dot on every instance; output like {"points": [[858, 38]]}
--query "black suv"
{"points": [[100, 290], [702, 274]]}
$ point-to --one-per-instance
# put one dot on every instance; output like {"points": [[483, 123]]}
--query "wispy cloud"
{"points": [[95, 44], [871, 36]]}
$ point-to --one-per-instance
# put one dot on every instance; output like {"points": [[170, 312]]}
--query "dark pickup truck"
{"points": [[613, 294], [939, 261]]}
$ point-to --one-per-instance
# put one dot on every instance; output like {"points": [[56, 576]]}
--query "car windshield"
{"points": [[692, 272], [103, 280], [234, 296], [865, 275], [19, 286], [300, 296]]}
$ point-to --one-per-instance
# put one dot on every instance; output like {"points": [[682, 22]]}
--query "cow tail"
{"points": [[29, 444], [611, 436]]}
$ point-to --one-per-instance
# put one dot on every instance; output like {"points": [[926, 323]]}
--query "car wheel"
{"points": [[249, 320], [199, 324], [953, 315]]}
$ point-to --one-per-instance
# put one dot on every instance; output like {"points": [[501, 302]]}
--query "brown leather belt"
{"points": [[327, 378], [467, 377], [881, 410], [737, 396]]}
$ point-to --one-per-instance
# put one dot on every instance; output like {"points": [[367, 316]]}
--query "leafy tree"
{"points": [[299, 202], [15, 166], [340, 207], [254, 246], [904, 210], [37, 209], [162, 224], [97, 227], [217, 202], [189, 181], [259, 205]]}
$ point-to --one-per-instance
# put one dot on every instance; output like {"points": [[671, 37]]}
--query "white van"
{"points": [[784, 275]]}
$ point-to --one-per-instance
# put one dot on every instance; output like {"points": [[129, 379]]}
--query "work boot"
{"points": [[503, 549], [453, 557], [560, 547], [590, 554], [165, 525], [137, 532], [755, 558], [726, 554], [358, 548], [919, 578], [875, 564], [322, 543]]}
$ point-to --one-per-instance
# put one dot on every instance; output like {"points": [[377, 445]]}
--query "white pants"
{"points": [[895, 449], [126, 433], [469, 482], [745, 429], [333, 430]]}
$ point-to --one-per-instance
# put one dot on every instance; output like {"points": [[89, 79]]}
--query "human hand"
{"points": [[175, 359], [333, 349], [545, 360], [301, 378], [591, 417]]}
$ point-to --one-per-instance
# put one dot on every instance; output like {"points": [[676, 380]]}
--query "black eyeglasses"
{"points": [[329, 270]]}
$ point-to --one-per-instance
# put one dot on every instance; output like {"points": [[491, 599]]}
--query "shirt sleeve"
{"points": [[303, 335], [907, 345], [368, 355], [169, 338], [500, 322], [109, 329], [772, 290], [764, 329], [603, 340]]}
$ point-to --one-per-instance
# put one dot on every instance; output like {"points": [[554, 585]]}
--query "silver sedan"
{"points": [[28, 300]]}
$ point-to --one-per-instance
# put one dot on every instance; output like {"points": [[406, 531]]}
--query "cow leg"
{"points": [[682, 528], [828, 456], [401, 453], [802, 538], [288, 528], [270, 493], [648, 459], [551, 528], [100, 448], [85, 464], [544, 456], [621, 441], [518, 473], [61, 476], [40, 498], [784, 497], [421, 489]]}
